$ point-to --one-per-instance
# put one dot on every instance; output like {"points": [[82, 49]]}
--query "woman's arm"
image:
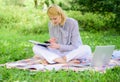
{"points": [[75, 39]]}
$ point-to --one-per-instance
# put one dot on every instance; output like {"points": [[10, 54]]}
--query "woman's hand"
{"points": [[52, 40], [54, 45]]}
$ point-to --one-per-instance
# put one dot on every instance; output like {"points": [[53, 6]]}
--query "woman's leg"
{"points": [[41, 60], [46, 54], [60, 60], [83, 52]]}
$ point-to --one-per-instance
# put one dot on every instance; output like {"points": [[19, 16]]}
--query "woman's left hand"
{"points": [[54, 45]]}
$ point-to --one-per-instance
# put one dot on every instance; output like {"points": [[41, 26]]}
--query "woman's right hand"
{"points": [[52, 40]]}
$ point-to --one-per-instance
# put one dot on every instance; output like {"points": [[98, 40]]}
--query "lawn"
{"points": [[20, 24], [15, 46]]}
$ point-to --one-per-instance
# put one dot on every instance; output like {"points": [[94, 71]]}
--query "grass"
{"points": [[20, 24], [15, 46], [58, 76]]}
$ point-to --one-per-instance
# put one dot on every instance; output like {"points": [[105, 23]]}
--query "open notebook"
{"points": [[39, 43]]}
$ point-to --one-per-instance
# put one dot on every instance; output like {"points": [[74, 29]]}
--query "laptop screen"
{"points": [[102, 55]]}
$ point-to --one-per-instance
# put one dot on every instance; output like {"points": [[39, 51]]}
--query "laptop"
{"points": [[101, 57]]}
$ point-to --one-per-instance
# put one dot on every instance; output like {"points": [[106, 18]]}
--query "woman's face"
{"points": [[56, 20]]}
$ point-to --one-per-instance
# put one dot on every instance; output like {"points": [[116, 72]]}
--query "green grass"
{"points": [[15, 46], [20, 24], [101, 38], [13, 75]]}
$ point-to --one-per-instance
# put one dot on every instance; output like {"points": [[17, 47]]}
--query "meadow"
{"points": [[20, 24], [15, 46]]}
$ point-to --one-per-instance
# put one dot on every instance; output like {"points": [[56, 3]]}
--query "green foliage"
{"points": [[24, 20], [93, 22], [36, 23], [31, 20], [7, 20], [95, 6], [14, 2], [99, 6]]}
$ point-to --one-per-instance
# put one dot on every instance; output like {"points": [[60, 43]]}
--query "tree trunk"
{"points": [[36, 3]]}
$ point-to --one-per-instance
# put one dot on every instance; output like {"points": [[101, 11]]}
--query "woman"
{"points": [[66, 45]]}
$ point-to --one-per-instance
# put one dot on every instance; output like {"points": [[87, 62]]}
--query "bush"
{"points": [[93, 22], [14, 2], [7, 20], [23, 20], [28, 20], [35, 24]]}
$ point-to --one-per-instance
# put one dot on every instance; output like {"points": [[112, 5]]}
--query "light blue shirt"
{"points": [[67, 36]]}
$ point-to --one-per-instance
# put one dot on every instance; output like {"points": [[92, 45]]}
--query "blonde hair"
{"points": [[55, 10]]}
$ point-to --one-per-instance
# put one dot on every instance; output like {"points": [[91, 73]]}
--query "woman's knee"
{"points": [[37, 51], [34, 48], [88, 48], [37, 48]]}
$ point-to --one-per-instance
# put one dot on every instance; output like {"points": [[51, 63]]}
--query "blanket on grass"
{"points": [[34, 64]]}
